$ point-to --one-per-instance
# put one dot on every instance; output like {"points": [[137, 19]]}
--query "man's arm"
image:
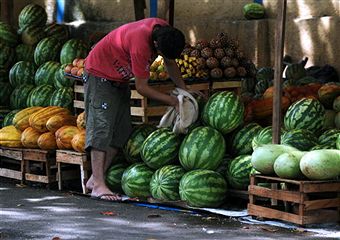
{"points": [[174, 72]]}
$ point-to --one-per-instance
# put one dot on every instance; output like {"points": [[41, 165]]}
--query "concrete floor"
{"points": [[37, 213]]}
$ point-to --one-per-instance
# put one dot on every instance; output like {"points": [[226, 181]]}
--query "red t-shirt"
{"points": [[124, 52]]}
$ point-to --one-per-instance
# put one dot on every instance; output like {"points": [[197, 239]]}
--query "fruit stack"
{"points": [[76, 68], [191, 67]]}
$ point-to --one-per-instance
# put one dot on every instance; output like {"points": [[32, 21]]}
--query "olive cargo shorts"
{"points": [[107, 112]]}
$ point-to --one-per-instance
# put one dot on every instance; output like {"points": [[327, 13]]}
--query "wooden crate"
{"points": [[299, 202], [73, 158], [78, 102], [46, 159], [12, 164], [234, 86]]}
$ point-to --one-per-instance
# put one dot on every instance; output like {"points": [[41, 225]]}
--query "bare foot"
{"points": [[89, 183], [104, 193]]}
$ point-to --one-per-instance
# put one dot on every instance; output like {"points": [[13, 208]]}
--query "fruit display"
{"points": [[76, 68], [158, 70], [191, 67]]}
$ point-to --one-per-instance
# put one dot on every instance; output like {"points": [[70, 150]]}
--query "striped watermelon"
{"points": [[307, 113], [31, 35], [7, 56], [3, 114], [264, 136], [73, 48], [203, 188], [24, 52], [40, 96], [48, 49], [160, 148], [4, 75], [32, 15], [62, 97], [301, 139], [114, 175], [133, 146], [203, 148], [222, 169], [22, 73], [46, 73], [323, 146], [223, 111], [60, 80], [239, 171], [8, 120], [165, 182], [18, 99], [5, 92], [242, 141], [8, 35], [58, 31], [253, 11], [136, 180], [329, 137]]}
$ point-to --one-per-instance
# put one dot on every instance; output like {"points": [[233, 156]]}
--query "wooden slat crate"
{"points": [[73, 158], [46, 159], [12, 164], [299, 202], [234, 86]]}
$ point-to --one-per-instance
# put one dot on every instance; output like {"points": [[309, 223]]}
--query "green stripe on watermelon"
{"points": [[62, 97], [263, 137], [253, 11], [58, 31], [60, 79], [24, 52], [8, 120], [165, 182], [22, 73], [3, 114], [239, 171], [329, 137], [7, 56], [242, 141], [46, 73], [203, 188], [48, 49], [134, 144], [203, 148], [301, 139], [223, 111], [18, 99], [136, 180], [31, 35], [160, 148], [73, 48], [114, 175], [222, 168], [40, 96], [32, 15], [8, 35], [307, 113]]}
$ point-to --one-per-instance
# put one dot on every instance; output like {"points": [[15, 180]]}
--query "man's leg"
{"points": [[99, 162], [110, 154]]}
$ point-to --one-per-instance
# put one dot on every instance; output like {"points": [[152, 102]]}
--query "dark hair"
{"points": [[170, 41]]}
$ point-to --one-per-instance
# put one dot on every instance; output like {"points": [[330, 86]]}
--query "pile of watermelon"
{"points": [[32, 59]]}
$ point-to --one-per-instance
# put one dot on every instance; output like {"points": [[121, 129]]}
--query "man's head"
{"points": [[169, 41]]}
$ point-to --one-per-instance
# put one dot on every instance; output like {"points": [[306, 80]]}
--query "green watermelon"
{"points": [[40, 96], [239, 171], [203, 148], [264, 136], [323, 146], [60, 80], [8, 35], [165, 182], [24, 52], [203, 188], [58, 31], [134, 144], [31, 35], [222, 169], [4, 75], [32, 15], [136, 180], [242, 141], [7, 56], [114, 175], [5, 93], [62, 97], [301, 139], [160, 148], [18, 99], [22, 73], [253, 11], [294, 72], [223, 111], [46, 73], [306, 113], [8, 120], [329, 137], [265, 74], [48, 49], [73, 48], [3, 114]]}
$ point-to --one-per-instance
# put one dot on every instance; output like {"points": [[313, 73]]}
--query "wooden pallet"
{"points": [[299, 202], [47, 161], [12, 164], [73, 158]]}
